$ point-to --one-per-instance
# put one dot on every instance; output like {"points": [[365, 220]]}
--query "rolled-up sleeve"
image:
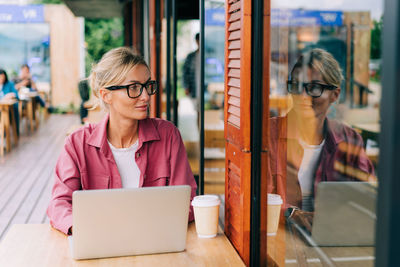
{"points": [[67, 180], [181, 173]]}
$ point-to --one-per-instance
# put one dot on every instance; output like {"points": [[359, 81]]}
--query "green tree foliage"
{"points": [[376, 34], [101, 35]]}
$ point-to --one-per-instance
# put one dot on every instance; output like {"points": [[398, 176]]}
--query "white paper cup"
{"points": [[206, 211], [273, 213]]}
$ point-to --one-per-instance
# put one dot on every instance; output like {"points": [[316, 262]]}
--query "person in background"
{"points": [[307, 147], [191, 73], [8, 91], [84, 92], [127, 149], [25, 80]]}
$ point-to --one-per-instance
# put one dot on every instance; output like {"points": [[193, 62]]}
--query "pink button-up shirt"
{"points": [[87, 162]]}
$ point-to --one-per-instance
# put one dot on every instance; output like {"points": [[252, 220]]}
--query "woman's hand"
{"points": [[9, 96], [303, 218], [25, 82]]}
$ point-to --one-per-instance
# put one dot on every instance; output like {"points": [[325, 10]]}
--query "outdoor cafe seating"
{"points": [[30, 115], [8, 127]]}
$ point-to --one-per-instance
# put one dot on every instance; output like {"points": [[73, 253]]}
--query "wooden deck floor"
{"points": [[26, 173]]}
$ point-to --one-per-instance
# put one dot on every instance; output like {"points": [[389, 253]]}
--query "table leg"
{"points": [[1, 134], [29, 110], [14, 126], [36, 114], [6, 121]]}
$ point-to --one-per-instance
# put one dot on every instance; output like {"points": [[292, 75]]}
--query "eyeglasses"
{"points": [[313, 89], [134, 90]]}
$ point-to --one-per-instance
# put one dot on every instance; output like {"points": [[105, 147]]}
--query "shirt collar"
{"points": [[147, 132], [334, 133]]}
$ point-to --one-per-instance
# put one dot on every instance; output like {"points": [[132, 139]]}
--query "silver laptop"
{"points": [[122, 222], [344, 214]]}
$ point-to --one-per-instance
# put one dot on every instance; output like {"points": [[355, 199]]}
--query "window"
{"points": [[325, 88]]}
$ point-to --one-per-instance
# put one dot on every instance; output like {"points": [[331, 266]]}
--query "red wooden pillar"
{"points": [[155, 54], [133, 33]]}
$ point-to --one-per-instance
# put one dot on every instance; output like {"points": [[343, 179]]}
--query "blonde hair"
{"points": [[323, 62], [112, 69]]}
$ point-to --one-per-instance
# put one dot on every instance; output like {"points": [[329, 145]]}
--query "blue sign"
{"points": [[23, 13], [298, 17], [215, 17]]}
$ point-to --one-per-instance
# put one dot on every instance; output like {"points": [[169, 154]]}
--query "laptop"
{"points": [[344, 215], [125, 222]]}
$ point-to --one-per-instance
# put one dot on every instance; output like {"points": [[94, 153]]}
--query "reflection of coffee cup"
{"points": [[206, 211], [273, 213]]}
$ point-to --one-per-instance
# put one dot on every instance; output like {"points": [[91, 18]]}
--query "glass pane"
{"points": [[23, 43], [187, 79], [188, 58], [214, 140], [324, 106]]}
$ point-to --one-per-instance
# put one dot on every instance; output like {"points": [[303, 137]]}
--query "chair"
{"points": [[2, 133], [214, 153], [363, 116]]}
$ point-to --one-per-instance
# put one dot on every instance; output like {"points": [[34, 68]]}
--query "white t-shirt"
{"points": [[126, 163], [307, 170]]}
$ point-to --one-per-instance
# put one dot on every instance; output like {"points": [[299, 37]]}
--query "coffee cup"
{"points": [[24, 90], [273, 213], [206, 211]]}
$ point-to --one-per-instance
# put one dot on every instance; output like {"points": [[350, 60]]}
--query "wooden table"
{"points": [[369, 131], [6, 110], [40, 245], [374, 128], [287, 248]]}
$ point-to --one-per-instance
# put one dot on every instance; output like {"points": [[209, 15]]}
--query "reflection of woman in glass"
{"points": [[306, 146]]}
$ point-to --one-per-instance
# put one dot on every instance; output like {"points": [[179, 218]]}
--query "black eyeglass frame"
{"points": [[305, 87], [142, 85]]}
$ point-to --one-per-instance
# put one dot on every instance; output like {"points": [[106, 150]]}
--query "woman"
{"points": [[8, 91], [126, 149], [306, 146], [25, 80]]}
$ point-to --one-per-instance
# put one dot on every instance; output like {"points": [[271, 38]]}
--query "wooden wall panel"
{"points": [[237, 199], [137, 25], [237, 76], [65, 54], [238, 125], [360, 22]]}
